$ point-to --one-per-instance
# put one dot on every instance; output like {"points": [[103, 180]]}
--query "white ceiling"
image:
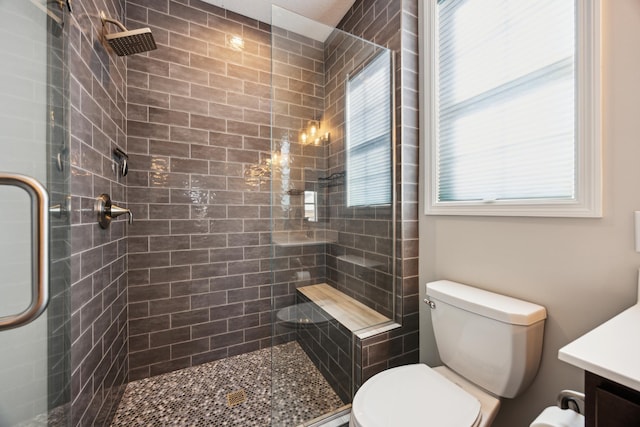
{"points": [[328, 12]]}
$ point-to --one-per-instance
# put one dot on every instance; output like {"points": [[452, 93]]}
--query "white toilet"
{"points": [[490, 345]]}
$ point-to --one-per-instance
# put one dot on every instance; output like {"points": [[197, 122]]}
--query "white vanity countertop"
{"points": [[612, 350]]}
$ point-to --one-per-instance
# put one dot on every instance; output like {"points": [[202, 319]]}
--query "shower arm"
{"points": [[104, 19]]}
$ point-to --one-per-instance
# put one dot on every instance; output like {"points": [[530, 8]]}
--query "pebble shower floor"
{"points": [[200, 395]]}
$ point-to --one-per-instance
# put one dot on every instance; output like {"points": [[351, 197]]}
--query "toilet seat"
{"points": [[413, 395]]}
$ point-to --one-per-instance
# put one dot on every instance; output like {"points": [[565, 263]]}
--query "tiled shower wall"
{"points": [[97, 88], [199, 139], [329, 345], [394, 24]]}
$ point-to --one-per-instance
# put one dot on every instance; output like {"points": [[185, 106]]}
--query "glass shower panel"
{"points": [[332, 261], [34, 361]]}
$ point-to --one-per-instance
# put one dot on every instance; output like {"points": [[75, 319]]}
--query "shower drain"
{"points": [[236, 397]]}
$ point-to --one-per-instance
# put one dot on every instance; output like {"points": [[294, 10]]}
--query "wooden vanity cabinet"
{"points": [[609, 404]]}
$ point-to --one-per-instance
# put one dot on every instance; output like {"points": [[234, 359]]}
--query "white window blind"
{"points": [[368, 134], [512, 107], [506, 102]]}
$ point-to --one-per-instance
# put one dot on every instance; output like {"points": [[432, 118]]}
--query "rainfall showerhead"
{"points": [[128, 42]]}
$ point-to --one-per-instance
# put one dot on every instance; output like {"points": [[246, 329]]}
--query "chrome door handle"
{"points": [[39, 249]]}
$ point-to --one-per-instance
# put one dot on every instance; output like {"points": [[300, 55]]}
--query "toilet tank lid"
{"points": [[489, 304]]}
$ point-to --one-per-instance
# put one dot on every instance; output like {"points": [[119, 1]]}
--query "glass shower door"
{"points": [[332, 214], [34, 232]]}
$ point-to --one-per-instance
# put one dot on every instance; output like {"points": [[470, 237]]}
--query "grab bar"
{"points": [[39, 249]]}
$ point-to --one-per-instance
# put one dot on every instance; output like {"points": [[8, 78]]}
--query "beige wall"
{"points": [[583, 271]]}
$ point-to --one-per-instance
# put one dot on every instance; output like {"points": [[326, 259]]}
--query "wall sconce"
{"points": [[313, 135]]}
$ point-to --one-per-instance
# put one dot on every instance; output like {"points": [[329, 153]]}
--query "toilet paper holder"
{"points": [[566, 413], [567, 398]]}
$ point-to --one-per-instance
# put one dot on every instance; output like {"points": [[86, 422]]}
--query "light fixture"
{"points": [[235, 42], [312, 134]]}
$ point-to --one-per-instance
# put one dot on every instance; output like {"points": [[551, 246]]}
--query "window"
{"points": [[512, 107], [369, 126]]}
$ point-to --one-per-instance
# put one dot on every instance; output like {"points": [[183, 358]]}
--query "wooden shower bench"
{"points": [[361, 320]]}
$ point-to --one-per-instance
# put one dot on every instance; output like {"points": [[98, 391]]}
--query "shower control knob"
{"points": [[107, 211]]}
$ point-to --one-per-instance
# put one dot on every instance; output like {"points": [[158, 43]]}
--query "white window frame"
{"points": [[588, 167]]}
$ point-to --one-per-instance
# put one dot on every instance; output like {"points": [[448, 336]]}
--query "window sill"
{"points": [[532, 209]]}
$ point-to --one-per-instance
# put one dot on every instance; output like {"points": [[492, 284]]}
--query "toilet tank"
{"points": [[492, 340]]}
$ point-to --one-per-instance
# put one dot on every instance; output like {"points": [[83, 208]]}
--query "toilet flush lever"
{"points": [[106, 211], [431, 304]]}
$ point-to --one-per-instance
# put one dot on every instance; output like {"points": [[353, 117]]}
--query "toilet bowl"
{"points": [[490, 345], [417, 395]]}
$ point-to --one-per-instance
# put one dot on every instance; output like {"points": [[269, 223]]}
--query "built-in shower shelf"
{"points": [[298, 239], [361, 261], [352, 314]]}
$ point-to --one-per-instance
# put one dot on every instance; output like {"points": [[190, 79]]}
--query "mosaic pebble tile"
{"points": [[197, 396]]}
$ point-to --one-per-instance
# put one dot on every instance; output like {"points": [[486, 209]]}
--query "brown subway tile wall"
{"points": [[199, 142], [329, 346], [97, 90]]}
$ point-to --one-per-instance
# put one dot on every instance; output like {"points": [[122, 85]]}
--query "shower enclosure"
{"points": [[34, 356], [215, 185], [332, 210]]}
